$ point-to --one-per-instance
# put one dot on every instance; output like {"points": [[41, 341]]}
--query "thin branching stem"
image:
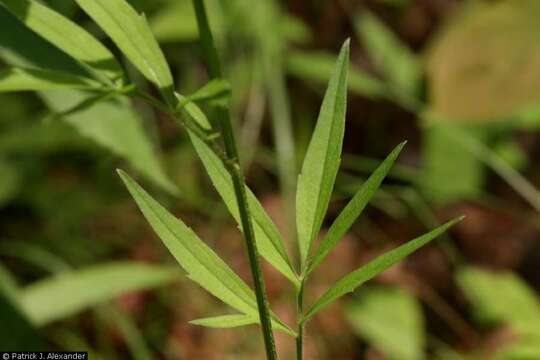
{"points": [[233, 165]]}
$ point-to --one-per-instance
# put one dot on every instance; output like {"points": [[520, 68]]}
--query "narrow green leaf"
{"points": [[116, 126], [396, 62], [19, 79], [390, 319], [316, 67], [70, 292], [358, 277], [353, 209], [201, 263], [131, 33], [321, 163], [226, 321], [216, 91], [269, 241], [235, 320], [64, 34]]}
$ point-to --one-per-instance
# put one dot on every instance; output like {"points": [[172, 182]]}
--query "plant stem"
{"points": [[233, 165], [300, 321]]}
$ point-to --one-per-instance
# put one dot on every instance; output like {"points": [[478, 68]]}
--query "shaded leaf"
{"points": [[269, 242], [316, 67], [353, 209], [391, 320], [131, 33], [68, 293], [393, 58], [375, 267], [201, 263], [114, 125], [501, 297], [322, 159], [64, 34], [20, 79], [485, 63]]}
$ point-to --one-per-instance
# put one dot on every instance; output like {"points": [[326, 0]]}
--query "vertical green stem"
{"points": [[300, 322], [233, 165]]}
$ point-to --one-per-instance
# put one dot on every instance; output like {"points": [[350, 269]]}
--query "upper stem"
{"points": [[233, 165]]}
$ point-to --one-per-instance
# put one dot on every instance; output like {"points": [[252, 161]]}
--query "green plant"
{"points": [[94, 70]]}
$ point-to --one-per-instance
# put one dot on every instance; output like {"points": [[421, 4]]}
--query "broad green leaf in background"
{"points": [[397, 63], [66, 294], [269, 241], [375, 267], [201, 263], [353, 209], [316, 67], [450, 172], [21, 79], [501, 297], [321, 163], [485, 63], [226, 321], [64, 34], [131, 33], [391, 320], [114, 125]]}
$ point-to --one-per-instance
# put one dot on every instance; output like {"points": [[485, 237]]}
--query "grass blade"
{"points": [[269, 241], [20, 79], [65, 34], [321, 163], [353, 209], [68, 293], [201, 263], [358, 277], [131, 33]]}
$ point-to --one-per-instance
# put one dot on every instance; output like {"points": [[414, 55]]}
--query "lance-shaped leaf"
{"points": [[353, 209], [64, 34], [235, 320], [201, 263], [358, 277], [216, 92], [112, 124], [70, 292], [131, 33], [269, 241], [321, 163], [19, 79]]}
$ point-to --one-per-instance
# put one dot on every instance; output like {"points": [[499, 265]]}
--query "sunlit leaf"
{"points": [[131, 33], [353, 209], [20, 79], [226, 321], [114, 125], [321, 163], [391, 320], [201, 263], [68, 293], [269, 241], [358, 277], [64, 34]]}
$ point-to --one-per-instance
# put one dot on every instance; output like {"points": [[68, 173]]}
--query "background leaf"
{"points": [[322, 159], [20, 79], [65, 294], [391, 320], [114, 125]]}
